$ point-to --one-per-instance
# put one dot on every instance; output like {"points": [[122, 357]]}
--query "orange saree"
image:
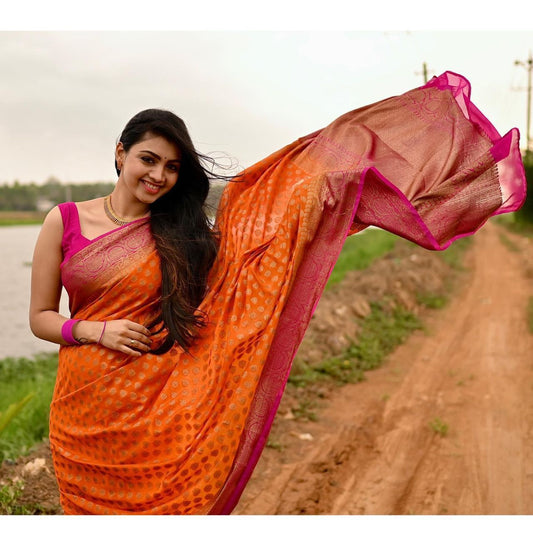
{"points": [[181, 433]]}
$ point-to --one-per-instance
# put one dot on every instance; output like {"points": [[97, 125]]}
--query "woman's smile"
{"points": [[150, 187]]}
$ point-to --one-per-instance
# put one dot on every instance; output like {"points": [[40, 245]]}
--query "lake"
{"points": [[16, 338]]}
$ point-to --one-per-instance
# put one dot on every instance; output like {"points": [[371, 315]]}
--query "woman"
{"points": [[173, 366]]}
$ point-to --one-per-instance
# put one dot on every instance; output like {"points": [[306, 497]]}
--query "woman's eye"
{"points": [[147, 159], [173, 168]]}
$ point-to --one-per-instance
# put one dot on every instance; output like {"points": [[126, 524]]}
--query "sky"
{"points": [[245, 87]]}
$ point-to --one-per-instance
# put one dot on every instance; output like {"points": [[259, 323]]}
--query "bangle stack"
{"points": [[66, 331]]}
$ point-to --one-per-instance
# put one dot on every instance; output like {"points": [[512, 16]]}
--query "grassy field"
{"points": [[381, 332], [18, 378], [359, 251], [18, 218]]}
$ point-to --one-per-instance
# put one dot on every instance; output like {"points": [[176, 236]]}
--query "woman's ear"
{"points": [[120, 154]]}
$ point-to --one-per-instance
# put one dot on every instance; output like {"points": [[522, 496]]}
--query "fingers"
{"points": [[132, 347], [127, 337], [138, 343], [138, 337], [138, 328]]}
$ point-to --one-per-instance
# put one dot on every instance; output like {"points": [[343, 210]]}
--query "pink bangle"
{"points": [[66, 331], [102, 334]]}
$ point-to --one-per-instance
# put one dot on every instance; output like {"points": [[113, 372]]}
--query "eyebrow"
{"points": [[159, 157]]}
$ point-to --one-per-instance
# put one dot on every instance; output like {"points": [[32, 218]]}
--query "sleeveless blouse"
{"points": [[73, 240]]}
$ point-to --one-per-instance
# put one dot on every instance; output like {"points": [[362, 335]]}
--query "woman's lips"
{"points": [[150, 187]]}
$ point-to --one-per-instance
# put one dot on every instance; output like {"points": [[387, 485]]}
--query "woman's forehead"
{"points": [[158, 145]]}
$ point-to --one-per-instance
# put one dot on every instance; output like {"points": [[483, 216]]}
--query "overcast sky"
{"points": [[66, 95]]}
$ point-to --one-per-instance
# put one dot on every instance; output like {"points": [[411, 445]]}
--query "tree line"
{"points": [[33, 197], [41, 198], [525, 215]]}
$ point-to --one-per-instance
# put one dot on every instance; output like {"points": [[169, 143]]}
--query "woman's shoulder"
{"points": [[90, 205], [90, 209], [52, 227]]}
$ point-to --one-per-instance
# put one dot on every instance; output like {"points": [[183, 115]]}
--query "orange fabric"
{"points": [[181, 433], [159, 434]]}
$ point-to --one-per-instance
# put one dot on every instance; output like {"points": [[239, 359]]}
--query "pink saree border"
{"points": [[291, 327]]}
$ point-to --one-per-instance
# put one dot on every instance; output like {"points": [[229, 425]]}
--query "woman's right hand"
{"points": [[123, 336]]}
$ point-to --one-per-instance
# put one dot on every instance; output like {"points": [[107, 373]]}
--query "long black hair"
{"points": [[184, 239]]}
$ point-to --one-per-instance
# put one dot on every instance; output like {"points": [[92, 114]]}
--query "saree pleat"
{"points": [[181, 433]]}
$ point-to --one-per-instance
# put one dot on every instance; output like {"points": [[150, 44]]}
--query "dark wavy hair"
{"points": [[184, 239]]}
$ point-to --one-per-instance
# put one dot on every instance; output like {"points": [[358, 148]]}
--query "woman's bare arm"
{"points": [[45, 319]]}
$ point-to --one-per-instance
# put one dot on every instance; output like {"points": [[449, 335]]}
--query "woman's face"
{"points": [[150, 168]]}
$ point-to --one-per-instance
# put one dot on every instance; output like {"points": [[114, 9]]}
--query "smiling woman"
{"points": [[153, 147], [181, 337]]}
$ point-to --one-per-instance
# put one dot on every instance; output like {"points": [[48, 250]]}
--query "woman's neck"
{"points": [[125, 206]]}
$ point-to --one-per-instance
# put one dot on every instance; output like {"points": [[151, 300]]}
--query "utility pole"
{"points": [[529, 66], [424, 72]]}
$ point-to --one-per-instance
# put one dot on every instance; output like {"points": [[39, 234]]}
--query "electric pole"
{"points": [[529, 66], [424, 72]]}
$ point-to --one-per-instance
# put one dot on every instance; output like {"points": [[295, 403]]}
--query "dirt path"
{"points": [[373, 450]]}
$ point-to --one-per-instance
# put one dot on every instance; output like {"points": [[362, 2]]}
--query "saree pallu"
{"points": [[181, 433]]}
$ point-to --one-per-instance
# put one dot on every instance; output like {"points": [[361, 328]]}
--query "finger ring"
{"points": [[132, 342]]}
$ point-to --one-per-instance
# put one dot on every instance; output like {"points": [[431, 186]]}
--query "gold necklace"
{"points": [[111, 215]]}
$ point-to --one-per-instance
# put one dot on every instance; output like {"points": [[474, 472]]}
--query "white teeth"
{"points": [[151, 186]]}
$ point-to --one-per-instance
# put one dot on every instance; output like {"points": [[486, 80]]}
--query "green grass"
{"points": [[508, 243], [10, 493], [21, 222], [305, 410], [520, 227], [514, 224], [384, 329], [439, 427], [18, 218], [381, 332], [18, 378], [359, 251], [453, 255], [432, 300]]}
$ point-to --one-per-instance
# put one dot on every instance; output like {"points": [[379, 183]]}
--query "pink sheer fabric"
{"points": [[427, 166]]}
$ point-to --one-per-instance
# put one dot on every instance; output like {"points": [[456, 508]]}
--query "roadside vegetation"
{"points": [[360, 251], [21, 218], [521, 223], [30, 381], [387, 326], [381, 331]]}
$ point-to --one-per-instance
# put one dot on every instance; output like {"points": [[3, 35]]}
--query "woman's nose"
{"points": [[157, 172]]}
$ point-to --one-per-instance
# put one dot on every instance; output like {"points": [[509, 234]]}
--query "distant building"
{"points": [[43, 205]]}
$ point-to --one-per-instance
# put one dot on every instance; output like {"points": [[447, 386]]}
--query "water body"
{"points": [[16, 249]]}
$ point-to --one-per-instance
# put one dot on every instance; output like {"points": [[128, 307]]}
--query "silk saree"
{"points": [[181, 433]]}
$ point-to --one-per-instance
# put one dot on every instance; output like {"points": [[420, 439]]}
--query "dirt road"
{"points": [[444, 427]]}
